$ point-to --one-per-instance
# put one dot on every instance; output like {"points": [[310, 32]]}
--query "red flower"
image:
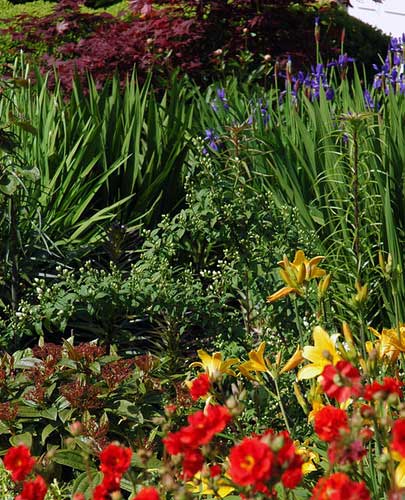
{"points": [[215, 470], [111, 481], [207, 423], [375, 390], [147, 493], [180, 441], [341, 382], [193, 462], [286, 454], [33, 490], [330, 422], [289, 462], [251, 462], [100, 492], [19, 462], [203, 426], [339, 487], [200, 386], [115, 459], [292, 477], [398, 436]]}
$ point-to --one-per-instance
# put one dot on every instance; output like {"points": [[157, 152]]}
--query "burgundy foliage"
{"points": [[166, 37]]}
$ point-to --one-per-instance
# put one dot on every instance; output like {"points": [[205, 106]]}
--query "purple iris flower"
{"points": [[342, 62], [368, 100], [222, 97], [211, 137]]}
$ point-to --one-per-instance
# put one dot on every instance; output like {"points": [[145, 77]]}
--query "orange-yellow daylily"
{"points": [[390, 344], [321, 354], [297, 274], [294, 361], [256, 363], [201, 486], [214, 365]]}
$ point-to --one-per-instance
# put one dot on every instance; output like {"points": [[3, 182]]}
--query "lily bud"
{"points": [[324, 285]]}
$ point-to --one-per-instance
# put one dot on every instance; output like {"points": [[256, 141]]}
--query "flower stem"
{"points": [[280, 402], [298, 322]]}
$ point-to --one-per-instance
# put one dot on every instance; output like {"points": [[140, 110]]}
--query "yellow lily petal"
{"points": [[257, 359], [299, 258], [213, 365], [256, 363], [283, 292], [246, 369], [201, 487], [321, 354], [294, 361], [400, 474], [309, 371], [316, 406], [317, 273], [324, 351], [316, 260], [308, 467]]}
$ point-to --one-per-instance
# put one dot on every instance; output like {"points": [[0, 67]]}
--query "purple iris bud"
{"points": [[377, 82], [395, 44], [330, 93], [222, 97], [345, 138], [368, 100], [317, 21]]}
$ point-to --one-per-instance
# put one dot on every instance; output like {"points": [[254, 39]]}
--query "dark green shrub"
{"points": [[49, 387], [202, 275]]}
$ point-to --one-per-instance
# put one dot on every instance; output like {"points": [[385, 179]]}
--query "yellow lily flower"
{"points": [[309, 457], [316, 406], [321, 354], [201, 486], [213, 365], [256, 362], [400, 474], [296, 274], [390, 344], [302, 268]]}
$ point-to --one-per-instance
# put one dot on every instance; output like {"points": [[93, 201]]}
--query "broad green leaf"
{"points": [[47, 430], [18, 439], [71, 458]]}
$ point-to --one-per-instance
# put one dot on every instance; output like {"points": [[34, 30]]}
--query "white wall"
{"points": [[389, 16]]}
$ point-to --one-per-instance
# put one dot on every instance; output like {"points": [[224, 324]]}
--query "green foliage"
{"points": [[200, 275], [37, 8], [339, 163], [79, 165]]}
